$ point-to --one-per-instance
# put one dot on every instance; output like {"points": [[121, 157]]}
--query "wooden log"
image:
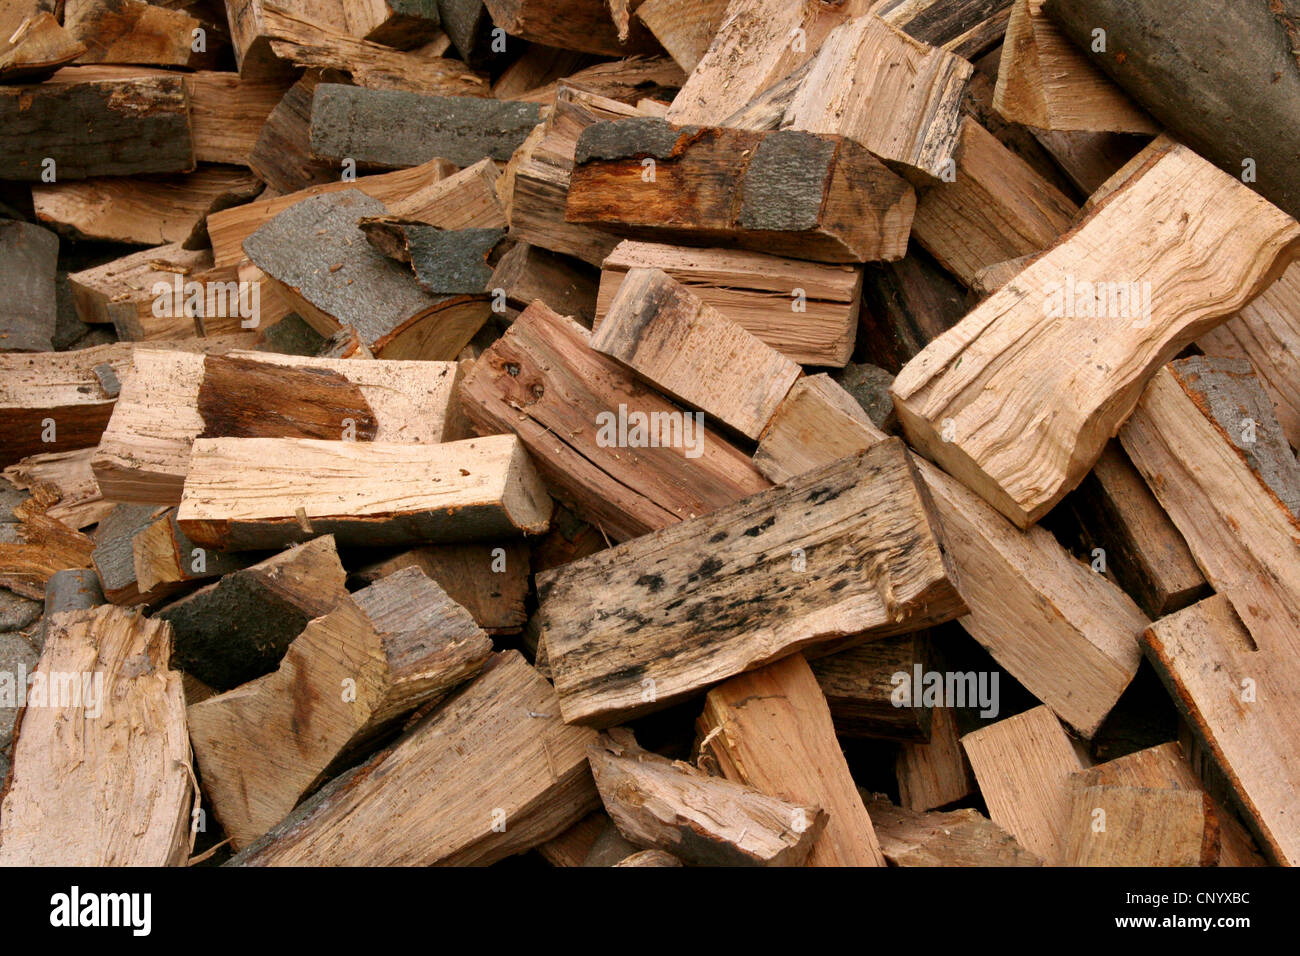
{"points": [[823, 300], [791, 193], [144, 454], [937, 773], [894, 95], [238, 628], [996, 209], [539, 67], [756, 45], [993, 437], [541, 380], [528, 272], [165, 559], [29, 261], [73, 125], [1032, 604], [1047, 82], [667, 336], [967, 27], [143, 34], [445, 261], [228, 113], [1139, 826], [905, 306], [1023, 765], [684, 28], [39, 547], [322, 265], [706, 821], [470, 30], [645, 82], [957, 838], [114, 556], [650, 858], [65, 477], [261, 493], [281, 152], [389, 129], [391, 647], [148, 211], [1160, 54], [771, 729], [572, 846], [37, 48], [491, 772], [61, 388], [123, 293], [869, 501], [76, 589], [126, 798], [869, 386], [860, 684], [585, 25]]}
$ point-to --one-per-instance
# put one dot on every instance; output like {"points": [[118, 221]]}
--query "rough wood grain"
{"points": [[527, 272], [227, 113], [37, 48], [586, 25], [956, 838], [860, 684], [29, 260], [1139, 826], [937, 773], [125, 293], [67, 479], [684, 28], [138, 33], [965, 27]]}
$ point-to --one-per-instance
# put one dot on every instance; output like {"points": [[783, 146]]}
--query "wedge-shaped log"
{"points": [[937, 773], [585, 25], [250, 493], [491, 772], [110, 700], [894, 95], [614, 449], [807, 311], [1018, 401], [706, 821], [37, 48], [124, 292], [349, 675], [784, 192], [163, 558], [75, 121], [325, 269], [684, 28], [965, 27], [690, 351], [1140, 826], [871, 565], [956, 838], [227, 113], [771, 729]]}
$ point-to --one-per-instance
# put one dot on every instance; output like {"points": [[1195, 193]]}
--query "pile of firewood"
{"points": [[650, 433]]}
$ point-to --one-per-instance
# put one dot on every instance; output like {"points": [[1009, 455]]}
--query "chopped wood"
{"points": [[114, 555], [66, 478], [937, 773], [706, 821], [139, 33], [28, 268], [650, 858], [528, 272], [75, 589], [378, 654], [861, 686], [1140, 826], [817, 423], [965, 27], [281, 152], [164, 558], [956, 838], [228, 113], [637, 81], [38, 547], [38, 48], [125, 291], [585, 25], [684, 28], [786, 192]]}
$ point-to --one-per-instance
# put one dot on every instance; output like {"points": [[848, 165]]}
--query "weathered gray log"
{"points": [[29, 263]]}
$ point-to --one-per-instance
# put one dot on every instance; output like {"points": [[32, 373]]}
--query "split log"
{"points": [[281, 152], [573, 846], [860, 685], [905, 306], [997, 208], [491, 772], [965, 27], [706, 821], [238, 628], [143, 34], [165, 559], [53, 401], [38, 548], [76, 589], [816, 326], [1001, 447], [67, 479], [684, 28], [37, 48], [445, 261], [350, 674], [956, 838], [538, 69], [261, 493], [463, 200], [471, 31], [528, 272], [937, 773], [869, 502], [73, 125], [817, 423], [771, 729], [124, 293], [148, 211], [114, 557], [1138, 826], [323, 267], [691, 352], [389, 129], [894, 95], [126, 798], [646, 82], [645, 465], [585, 25], [786, 192], [228, 113], [650, 858], [144, 454], [1234, 105], [491, 580], [1046, 82], [1023, 765], [29, 262]]}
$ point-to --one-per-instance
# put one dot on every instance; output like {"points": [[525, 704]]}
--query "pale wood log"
{"points": [[164, 558], [38, 547], [67, 479], [137, 33], [817, 423], [114, 556], [956, 838], [636, 81], [586, 25], [684, 28], [124, 293], [227, 113], [937, 773], [1140, 826], [572, 846], [650, 858]]}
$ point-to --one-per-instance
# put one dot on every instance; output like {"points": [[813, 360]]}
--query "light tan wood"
{"points": [[956, 838], [493, 771], [650, 858], [898, 97], [382, 651], [1023, 765], [137, 32], [571, 847], [1022, 447], [771, 729], [593, 26], [937, 773], [691, 352], [684, 28], [817, 423], [101, 769], [36, 47], [227, 113], [464, 200], [706, 821], [145, 452], [66, 477], [806, 310], [251, 36], [1047, 82], [643, 81], [39, 547], [1139, 826]]}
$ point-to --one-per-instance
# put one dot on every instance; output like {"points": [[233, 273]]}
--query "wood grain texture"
{"points": [[527, 272], [684, 28], [876, 570], [965, 27], [66, 477], [937, 773], [137, 33], [122, 293], [1023, 449], [441, 795], [956, 838], [37, 48], [227, 113], [29, 260], [859, 686], [586, 25], [1140, 826], [115, 790]]}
